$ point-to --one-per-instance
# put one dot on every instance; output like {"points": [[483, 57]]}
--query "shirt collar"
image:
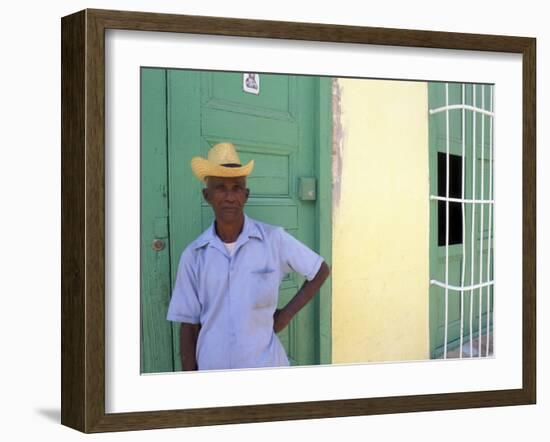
{"points": [[250, 230]]}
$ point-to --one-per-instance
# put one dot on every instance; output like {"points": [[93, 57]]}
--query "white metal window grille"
{"points": [[478, 286]]}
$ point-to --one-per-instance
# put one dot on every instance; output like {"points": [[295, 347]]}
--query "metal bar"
{"points": [[461, 106], [463, 266], [481, 220], [473, 217], [447, 143], [461, 200], [461, 288], [490, 224]]}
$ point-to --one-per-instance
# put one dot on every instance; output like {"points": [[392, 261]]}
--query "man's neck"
{"points": [[229, 232]]}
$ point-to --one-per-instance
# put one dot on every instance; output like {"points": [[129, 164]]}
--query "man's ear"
{"points": [[247, 193], [205, 194]]}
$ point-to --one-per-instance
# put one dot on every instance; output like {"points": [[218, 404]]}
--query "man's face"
{"points": [[227, 196]]}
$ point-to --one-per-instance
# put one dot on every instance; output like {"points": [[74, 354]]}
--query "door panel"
{"points": [[225, 89]]}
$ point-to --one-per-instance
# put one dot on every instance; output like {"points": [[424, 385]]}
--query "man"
{"points": [[227, 285]]}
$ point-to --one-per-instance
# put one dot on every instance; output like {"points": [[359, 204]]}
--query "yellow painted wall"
{"points": [[380, 221]]}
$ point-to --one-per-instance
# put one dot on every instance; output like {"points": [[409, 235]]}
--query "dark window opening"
{"points": [[455, 191]]}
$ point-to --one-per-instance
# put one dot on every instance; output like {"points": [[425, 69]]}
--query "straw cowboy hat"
{"points": [[223, 161]]}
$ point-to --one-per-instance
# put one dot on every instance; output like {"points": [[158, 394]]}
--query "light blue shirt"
{"points": [[234, 295]]}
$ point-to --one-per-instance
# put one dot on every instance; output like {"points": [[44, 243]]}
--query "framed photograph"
{"points": [[402, 162]]}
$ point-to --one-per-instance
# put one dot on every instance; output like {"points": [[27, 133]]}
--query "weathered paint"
{"points": [[337, 141], [380, 268]]}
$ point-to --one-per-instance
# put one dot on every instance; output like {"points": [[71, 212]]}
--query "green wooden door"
{"points": [[470, 233], [278, 128]]}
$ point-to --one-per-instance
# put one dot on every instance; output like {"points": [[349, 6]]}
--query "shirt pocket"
{"points": [[265, 287]]}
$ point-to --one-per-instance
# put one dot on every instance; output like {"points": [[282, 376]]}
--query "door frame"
{"points": [[323, 166]]}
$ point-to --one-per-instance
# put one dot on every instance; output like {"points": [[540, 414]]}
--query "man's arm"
{"points": [[189, 334], [282, 317]]}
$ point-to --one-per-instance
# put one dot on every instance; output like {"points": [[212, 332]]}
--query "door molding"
{"points": [[324, 212]]}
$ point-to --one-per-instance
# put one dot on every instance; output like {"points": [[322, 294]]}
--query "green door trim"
{"points": [[324, 213]]}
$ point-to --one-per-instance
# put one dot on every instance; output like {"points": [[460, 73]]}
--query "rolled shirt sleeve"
{"points": [[297, 257], [184, 304]]}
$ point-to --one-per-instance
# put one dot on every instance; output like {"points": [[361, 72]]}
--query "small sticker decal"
{"points": [[251, 83]]}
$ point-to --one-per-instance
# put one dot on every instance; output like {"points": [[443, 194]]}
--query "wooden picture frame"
{"points": [[83, 220]]}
